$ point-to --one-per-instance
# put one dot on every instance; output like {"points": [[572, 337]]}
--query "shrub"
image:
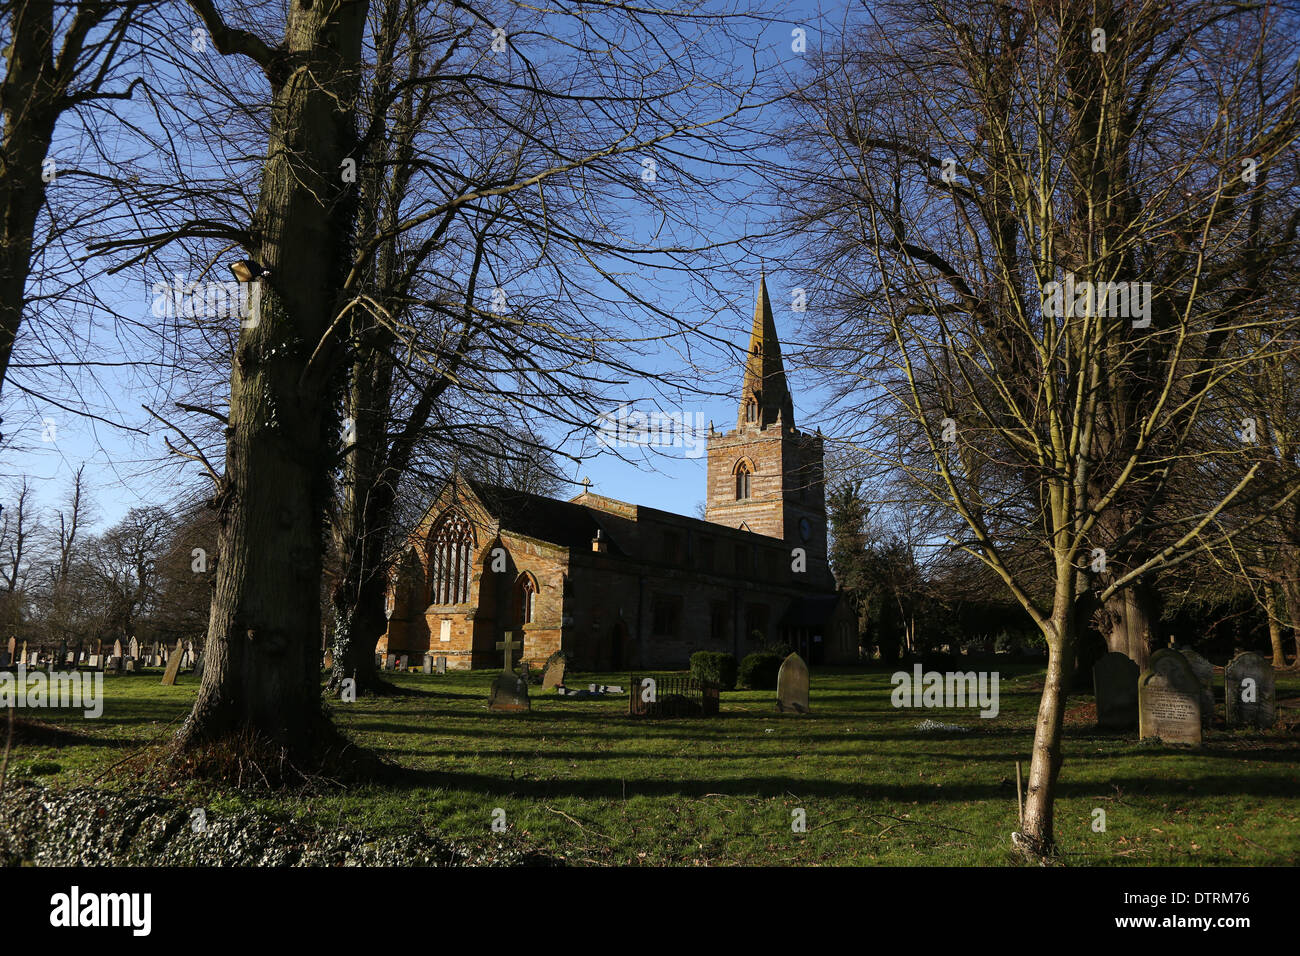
{"points": [[759, 671], [715, 667]]}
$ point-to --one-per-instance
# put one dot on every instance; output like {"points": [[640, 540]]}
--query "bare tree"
{"points": [[1037, 257]]}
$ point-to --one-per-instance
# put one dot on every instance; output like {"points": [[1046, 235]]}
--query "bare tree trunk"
{"points": [[1130, 621], [1037, 830], [261, 672], [1274, 626]]}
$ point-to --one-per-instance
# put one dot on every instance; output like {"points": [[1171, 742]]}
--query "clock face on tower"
{"points": [[805, 528]]}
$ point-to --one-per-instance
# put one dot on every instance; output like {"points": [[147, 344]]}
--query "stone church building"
{"points": [[619, 585]]}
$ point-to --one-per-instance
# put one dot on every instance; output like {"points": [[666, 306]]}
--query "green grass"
{"points": [[582, 780]]}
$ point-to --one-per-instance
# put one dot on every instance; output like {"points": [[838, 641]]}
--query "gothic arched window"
{"points": [[743, 475], [526, 598], [453, 543], [751, 410]]}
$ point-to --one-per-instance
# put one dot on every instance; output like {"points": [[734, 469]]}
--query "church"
{"points": [[618, 585]]}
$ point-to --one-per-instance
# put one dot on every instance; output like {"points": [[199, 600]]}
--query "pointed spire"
{"points": [[764, 383]]}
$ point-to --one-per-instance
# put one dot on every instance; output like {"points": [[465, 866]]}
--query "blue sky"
{"points": [[127, 469]]}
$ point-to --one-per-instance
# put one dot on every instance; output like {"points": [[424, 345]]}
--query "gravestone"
{"points": [[1204, 672], [133, 648], [12, 647], [509, 694], [440, 665], [792, 686], [1250, 692], [401, 662], [428, 664], [173, 667], [1169, 700], [508, 646], [553, 676], [117, 649], [130, 665], [94, 662], [1115, 684]]}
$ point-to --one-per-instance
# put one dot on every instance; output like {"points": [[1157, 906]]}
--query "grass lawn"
{"points": [[579, 779]]}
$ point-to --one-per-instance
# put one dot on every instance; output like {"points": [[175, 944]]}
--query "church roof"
{"points": [[535, 516]]}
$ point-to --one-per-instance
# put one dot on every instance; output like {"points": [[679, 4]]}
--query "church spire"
{"points": [[764, 395]]}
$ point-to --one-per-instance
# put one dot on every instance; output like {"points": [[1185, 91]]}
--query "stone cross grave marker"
{"points": [[509, 692], [1250, 692], [1169, 700], [1115, 684], [509, 645], [1204, 672], [173, 666], [792, 686]]}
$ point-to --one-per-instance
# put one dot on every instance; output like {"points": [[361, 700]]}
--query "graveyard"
{"points": [[855, 780]]}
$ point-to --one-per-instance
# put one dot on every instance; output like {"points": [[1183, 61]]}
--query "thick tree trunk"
{"points": [[1037, 831], [261, 667], [31, 109], [1130, 622]]}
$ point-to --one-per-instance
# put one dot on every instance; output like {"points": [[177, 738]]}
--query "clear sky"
{"points": [[125, 467]]}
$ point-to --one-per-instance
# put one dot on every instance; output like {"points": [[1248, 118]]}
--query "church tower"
{"points": [[766, 475]]}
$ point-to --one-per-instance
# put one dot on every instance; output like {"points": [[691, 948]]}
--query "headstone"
{"points": [[401, 662], [427, 667], [173, 667], [553, 676], [117, 649], [1204, 672], [12, 647], [1250, 692], [1169, 700], [95, 661], [133, 648], [792, 686], [440, 665], [1115, 683], [509, 645], [605, 688], [130, 665], [509, 694]]}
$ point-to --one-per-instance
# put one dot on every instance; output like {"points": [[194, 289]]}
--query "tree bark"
{"points": [[1130, 622], [1274, 626], [261, 675], [1037, 829]]}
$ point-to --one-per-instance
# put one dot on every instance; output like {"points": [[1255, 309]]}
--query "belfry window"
{"points": [[743, 476], [453, 543], [751, 410]]}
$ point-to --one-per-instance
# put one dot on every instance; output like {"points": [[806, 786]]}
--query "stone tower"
{"points": [[767, 475]]}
